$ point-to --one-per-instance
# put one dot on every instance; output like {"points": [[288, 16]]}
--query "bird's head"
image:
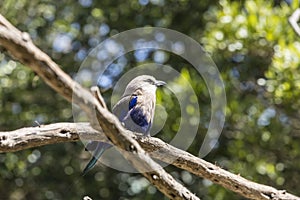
{"points": [[144, 83]]}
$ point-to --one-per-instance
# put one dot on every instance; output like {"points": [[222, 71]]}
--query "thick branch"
{"points": [[63, 132], [30, 137], [21, 47]]}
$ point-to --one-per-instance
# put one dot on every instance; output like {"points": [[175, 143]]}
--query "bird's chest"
{"points": [[147, 104], [142, 113]]}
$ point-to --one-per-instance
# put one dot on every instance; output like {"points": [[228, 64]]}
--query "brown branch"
{"points": [[20, 46], [68, 132], [30, 137]]}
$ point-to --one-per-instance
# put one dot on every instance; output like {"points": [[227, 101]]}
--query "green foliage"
{"points": [[254, 47]]}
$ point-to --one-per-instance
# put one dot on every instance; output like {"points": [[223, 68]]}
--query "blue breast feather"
{"points": [[132, 102]]}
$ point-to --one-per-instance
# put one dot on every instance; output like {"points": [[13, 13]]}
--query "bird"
{"points": [[135, 110]]}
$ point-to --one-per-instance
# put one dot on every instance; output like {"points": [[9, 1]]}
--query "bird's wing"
{"points": [[121, 108], [138, 117]]}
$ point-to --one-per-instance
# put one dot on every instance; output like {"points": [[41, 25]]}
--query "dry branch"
{"points": [[20, 46], [68, 132], [30, 137]]}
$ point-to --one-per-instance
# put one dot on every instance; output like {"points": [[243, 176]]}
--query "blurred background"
{"points": [[253, 45]]}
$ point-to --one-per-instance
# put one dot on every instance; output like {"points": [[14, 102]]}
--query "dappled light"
{"points": [[252, 44]]}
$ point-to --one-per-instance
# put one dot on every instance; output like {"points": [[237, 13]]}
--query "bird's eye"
{"points": [[149, 81]]}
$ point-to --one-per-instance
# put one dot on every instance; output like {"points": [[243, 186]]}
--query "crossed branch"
{"points": [[133, 147]]}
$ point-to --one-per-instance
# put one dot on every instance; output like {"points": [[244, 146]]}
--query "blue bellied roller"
{"points": [[135, 110]]}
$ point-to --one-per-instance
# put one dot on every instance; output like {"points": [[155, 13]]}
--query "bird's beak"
{"points": [[160, 83]]}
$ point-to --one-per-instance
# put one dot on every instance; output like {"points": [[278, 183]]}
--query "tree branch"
{"points": [[20, 46], [68, 132], [30, 137]]}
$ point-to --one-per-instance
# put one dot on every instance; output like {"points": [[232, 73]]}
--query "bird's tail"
{"points": [[100, 149], [90, 165]]}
